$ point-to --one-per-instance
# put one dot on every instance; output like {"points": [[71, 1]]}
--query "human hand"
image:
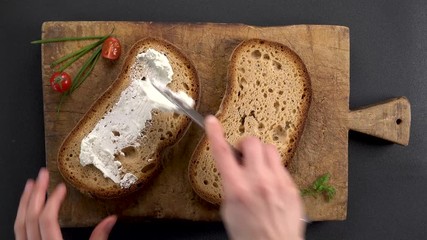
{"points": [[260, 199], [38, 219]]}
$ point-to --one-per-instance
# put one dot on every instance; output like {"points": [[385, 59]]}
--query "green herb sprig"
{"points": [[64, 39], [320, 187], [66, 61]]}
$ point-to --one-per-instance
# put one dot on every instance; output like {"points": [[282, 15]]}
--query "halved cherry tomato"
{"points": [[60, 81], [111, 48]]}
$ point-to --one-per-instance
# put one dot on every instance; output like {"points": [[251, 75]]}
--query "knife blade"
{"points": [[191, 113], [184, 107]]}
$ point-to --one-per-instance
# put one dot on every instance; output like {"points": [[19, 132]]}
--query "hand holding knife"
{"points": [[191, 113]]}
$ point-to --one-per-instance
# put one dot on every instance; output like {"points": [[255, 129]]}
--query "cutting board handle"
{"points": [[389, 120]]}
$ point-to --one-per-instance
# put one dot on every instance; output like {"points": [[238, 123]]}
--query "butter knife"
{"points": [[191, 113]]}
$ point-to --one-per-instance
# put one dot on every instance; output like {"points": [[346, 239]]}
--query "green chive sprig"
{"points": [[66, 61]]}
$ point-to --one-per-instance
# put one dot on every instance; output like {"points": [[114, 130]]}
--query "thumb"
{"points": [[103, 229]]}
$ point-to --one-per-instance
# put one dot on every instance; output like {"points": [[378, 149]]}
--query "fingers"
{"points": [[272, 156], [103, 229], [49, 226], [285, 182], [37, 219], [224, 159], [253, 150], [273, 159], [35, 205], [19, 227]]}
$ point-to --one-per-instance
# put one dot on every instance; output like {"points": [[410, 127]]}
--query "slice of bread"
{"points": [[163, 130], [268, 95]]}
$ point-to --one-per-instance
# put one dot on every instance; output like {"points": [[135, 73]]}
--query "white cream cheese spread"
{"points": [[121, 127]]}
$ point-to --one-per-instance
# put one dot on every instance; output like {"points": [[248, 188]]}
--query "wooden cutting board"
{"points": [[323, 148]]}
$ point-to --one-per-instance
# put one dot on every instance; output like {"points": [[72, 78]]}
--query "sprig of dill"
{"points": [[320, 187]]}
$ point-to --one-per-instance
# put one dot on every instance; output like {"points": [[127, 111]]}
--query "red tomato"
{"points": [[111, 48], [60, 81]]}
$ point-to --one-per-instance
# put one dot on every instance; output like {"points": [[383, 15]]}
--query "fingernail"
{"points": [[28, 184], [62, 185], [42, 172], [111, 223], [210, 118]]}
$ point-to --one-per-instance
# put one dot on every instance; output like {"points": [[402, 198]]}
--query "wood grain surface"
{"points": [[323, 148]]}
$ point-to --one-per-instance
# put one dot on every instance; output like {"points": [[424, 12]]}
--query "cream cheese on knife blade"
{"points": [[122, 126]]}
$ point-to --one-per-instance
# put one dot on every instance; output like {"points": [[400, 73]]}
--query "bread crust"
{"points": [[275, 110], [163, 131]]}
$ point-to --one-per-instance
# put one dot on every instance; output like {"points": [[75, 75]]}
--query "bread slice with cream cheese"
{"points": [[116, 148], [268, 95]]}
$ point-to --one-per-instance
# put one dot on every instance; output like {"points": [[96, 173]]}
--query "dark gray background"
{"points": [[387, 182]]}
